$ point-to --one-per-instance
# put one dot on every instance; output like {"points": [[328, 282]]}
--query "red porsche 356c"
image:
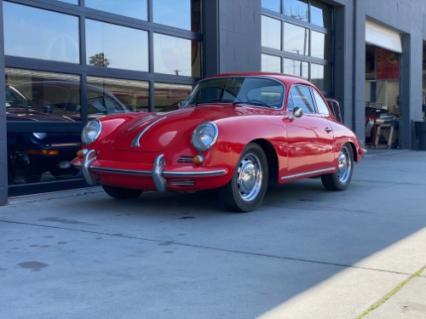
{"points": [[236, 133]]}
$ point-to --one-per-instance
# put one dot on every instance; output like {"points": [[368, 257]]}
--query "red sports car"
{"points": [[235, 133]]}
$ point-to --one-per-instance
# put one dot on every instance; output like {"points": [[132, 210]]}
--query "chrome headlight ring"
{"points": [[205, 136], [91, 132]]}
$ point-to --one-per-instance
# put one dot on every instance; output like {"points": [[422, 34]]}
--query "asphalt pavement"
{"points": [[307, 253]]}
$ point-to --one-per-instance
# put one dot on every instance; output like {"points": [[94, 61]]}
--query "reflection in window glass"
{"points": [[318, 44], [107, 96], [274, 5], [271, 33], [297, 68], [183, 14], [300, 96], [129, 8], [317, 76], [296, 9], [321, 105], [168, 96], [33, 96], [70, 1], [40, 34], [168, 60], [271, 63], [109, 45], [296, 39], [320, 14], [53, 97]]}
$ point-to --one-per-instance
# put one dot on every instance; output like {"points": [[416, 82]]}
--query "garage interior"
{"points": [[382, 87]]}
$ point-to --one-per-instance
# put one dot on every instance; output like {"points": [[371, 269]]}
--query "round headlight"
{"points": [[91, 132], [205, 136], [40, 135]]}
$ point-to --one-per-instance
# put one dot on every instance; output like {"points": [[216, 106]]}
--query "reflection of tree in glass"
{"points": [[99, 59]]}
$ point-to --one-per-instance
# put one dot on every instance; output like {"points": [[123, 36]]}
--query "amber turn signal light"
{"points": [[44, 152]]}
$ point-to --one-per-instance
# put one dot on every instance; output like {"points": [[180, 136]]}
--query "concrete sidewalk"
{"points": [[307, 253]]}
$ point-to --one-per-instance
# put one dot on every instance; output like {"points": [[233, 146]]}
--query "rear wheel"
{"points": [[121, 193], [247, 189], [341, 180]]}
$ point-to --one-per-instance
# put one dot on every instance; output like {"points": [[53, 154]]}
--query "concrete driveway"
{"points": [[307, 253]]}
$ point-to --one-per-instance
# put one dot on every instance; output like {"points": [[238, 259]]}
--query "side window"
{"points": [[300, 96], [321, 105]]}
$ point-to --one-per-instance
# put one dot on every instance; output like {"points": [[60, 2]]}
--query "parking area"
{"points": [[306, 253]]}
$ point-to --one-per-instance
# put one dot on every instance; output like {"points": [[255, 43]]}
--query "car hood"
{"points": [[153, 132], [30, 114]]}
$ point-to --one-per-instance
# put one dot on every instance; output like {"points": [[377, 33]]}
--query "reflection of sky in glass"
{"points": [[318, 44], [130, 8], [124, 48], [271, 63], [70, 1], [172, 55], [296, 39], [297, 68], [296, 9], [40, 34], [317, 71], [173, 13], [317, 15], [274, 5], [271, 33]]}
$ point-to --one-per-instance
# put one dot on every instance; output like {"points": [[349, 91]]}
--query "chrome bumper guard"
{"points": [[158, 173]]}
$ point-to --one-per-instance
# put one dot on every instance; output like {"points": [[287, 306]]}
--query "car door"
{"points": [[309, 138]]}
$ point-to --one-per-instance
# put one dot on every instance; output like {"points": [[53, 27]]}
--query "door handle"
{"points": [[328, 130]]}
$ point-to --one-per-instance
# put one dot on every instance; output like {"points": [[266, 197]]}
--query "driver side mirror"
{"points": [[297, 112]]}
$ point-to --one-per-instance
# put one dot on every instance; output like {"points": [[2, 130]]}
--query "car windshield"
{"points": [[238, 90]]}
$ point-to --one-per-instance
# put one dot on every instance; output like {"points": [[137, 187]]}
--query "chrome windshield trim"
{"points": [[137, 140], [310, 173]]}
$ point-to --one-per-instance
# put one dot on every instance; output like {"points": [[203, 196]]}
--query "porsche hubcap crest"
{"points": [[249, 178]]}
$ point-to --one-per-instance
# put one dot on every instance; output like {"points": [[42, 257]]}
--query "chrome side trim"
{"points": [[98, 169], [157, 173], [137, 140], [310, 173], [195, 174], [66, 145], [89, 158]]}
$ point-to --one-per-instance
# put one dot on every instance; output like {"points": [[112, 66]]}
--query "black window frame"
{"points": [[327, 62], [84, 71]]}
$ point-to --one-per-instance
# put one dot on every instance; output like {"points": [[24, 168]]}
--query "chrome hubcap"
{"points": [[249, 178], [345, 166]]}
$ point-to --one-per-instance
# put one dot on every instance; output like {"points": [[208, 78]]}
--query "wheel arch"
{"points": [[354, 150], [271, 156]]}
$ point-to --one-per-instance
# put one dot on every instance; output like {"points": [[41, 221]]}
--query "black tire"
{"points": [[334, 182], [231, 194], [121, 193]]}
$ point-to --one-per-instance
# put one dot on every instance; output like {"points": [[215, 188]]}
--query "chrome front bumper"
{"points": [[158, 172]]}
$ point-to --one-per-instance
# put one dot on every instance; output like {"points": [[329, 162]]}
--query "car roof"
{"points": [[284, 78]]}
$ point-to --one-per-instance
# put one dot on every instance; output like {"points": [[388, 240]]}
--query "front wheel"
{"points": [[247, 189], [341, 180], [121, 193]]}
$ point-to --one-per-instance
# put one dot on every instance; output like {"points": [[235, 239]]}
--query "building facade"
{"points": [[63, 62]]}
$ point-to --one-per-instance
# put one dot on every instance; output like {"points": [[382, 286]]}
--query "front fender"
{"points": [[235, 134]]}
